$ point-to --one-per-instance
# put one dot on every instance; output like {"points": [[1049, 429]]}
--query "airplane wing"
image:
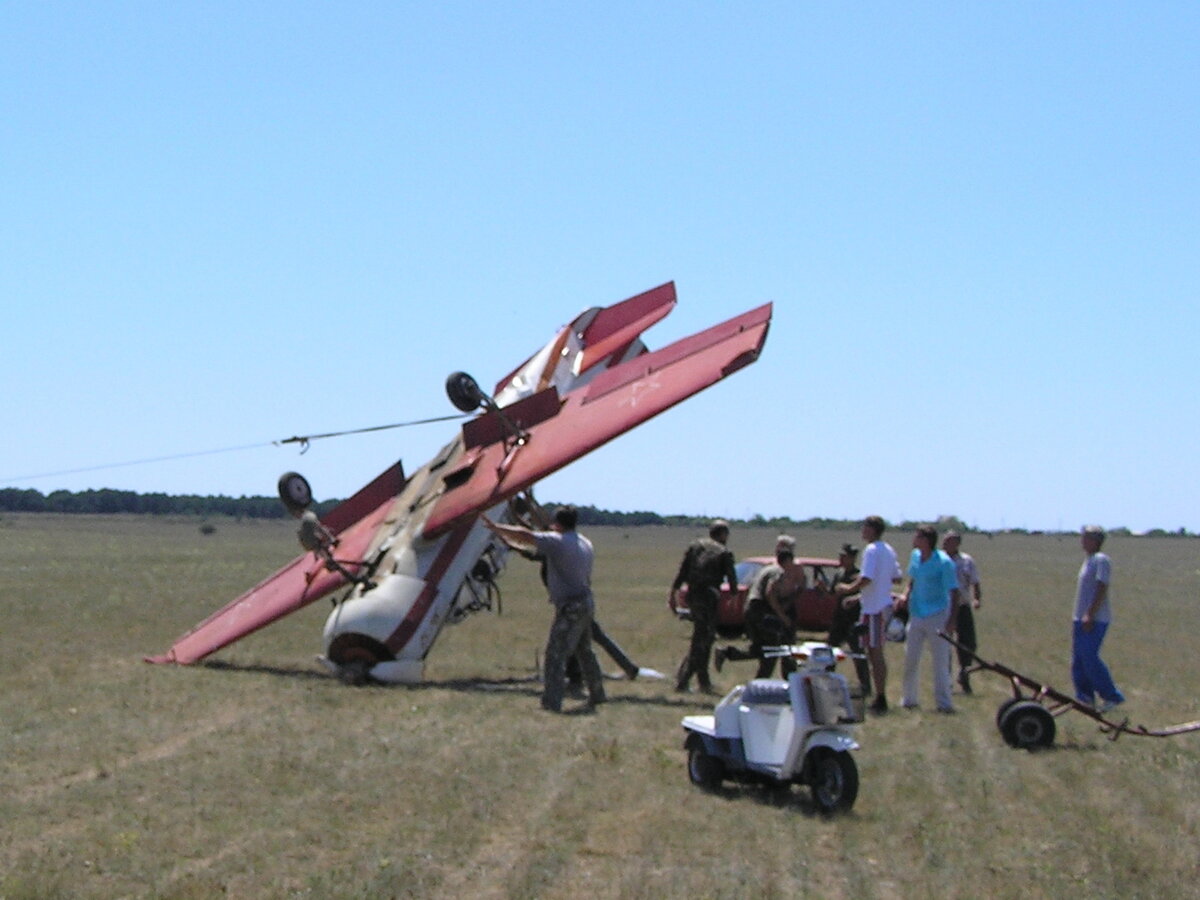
{"points": [[559, 430], [303, 580]]}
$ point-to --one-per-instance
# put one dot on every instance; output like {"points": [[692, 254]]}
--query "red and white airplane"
{"points": [[411, 552]]}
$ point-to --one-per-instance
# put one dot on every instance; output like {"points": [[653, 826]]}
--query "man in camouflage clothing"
{"points": [[706, 563], [770, 612]]}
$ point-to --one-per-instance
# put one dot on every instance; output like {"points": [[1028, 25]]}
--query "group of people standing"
{"points": [[943, 590], [942, 593], [866, 604]]}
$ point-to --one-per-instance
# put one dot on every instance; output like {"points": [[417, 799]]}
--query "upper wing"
{"points": [[560, 430], [300, 582]]}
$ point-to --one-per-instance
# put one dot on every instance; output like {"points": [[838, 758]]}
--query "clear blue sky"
{"points": [[225, 224]]}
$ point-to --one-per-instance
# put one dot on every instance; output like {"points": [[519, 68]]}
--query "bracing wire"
{"points": [[302, 440]]}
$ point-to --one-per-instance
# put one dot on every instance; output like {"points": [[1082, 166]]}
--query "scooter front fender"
{"points": [[837, 741]]}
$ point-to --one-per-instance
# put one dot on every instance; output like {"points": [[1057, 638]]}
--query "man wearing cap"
{"points": [[846, 615], [970, 596], [1093, 613], [769, 611], [706, 563], [874, 585]]}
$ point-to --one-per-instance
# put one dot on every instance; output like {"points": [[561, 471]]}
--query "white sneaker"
{"points": [[1109, 705]]}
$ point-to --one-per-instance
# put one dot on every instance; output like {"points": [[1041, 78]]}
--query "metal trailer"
{"points": [[1026, 720]]}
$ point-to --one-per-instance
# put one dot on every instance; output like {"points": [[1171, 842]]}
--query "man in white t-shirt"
{"points": [[874, 586]]}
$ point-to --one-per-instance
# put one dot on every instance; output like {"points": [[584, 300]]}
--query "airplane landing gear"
{"points": [[464, 392]]}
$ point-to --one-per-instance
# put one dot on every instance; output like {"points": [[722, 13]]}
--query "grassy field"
{"points": [[257, 775]]}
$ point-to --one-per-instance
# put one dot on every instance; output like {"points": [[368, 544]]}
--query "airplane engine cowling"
{"points": [[376, 613]]}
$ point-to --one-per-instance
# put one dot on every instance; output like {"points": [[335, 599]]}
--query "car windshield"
{"points": [[746, 571]]}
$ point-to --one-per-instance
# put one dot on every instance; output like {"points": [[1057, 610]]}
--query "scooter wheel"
{"points": [[834, 780], [704, 770]]}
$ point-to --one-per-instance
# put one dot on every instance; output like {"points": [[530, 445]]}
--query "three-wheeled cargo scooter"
{"points": [[796, 731]]}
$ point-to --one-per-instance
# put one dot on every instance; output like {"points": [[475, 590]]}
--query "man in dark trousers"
{"points": [[706, 563], [770, 612], [845, 627], [569, 558]]}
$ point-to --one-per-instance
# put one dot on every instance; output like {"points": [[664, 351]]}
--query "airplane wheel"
{"points": [[295, 492], [464, 392], [1027, 725], [704, 770], [834, 780]]}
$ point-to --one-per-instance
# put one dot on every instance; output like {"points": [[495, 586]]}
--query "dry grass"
{"points": [[258, 776]]}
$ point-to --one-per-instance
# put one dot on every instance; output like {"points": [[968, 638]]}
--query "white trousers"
{"points": [[921, 631]]}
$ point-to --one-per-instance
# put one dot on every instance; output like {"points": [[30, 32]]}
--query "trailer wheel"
{"points": [[1004, 708], [704, 770], [1027, 725], [834, 780]]}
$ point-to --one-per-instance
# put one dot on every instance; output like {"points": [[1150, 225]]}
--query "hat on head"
{"points": [[849, 550], [785, 543]]}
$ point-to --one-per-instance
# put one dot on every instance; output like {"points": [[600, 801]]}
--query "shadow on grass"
{"points": [[795, 798], [529, 685], [260, 669]]}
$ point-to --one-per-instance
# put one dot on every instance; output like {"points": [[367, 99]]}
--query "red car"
{"points": [[813, 609]]}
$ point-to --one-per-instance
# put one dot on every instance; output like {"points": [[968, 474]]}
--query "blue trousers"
{"points": [[1088, 670]]}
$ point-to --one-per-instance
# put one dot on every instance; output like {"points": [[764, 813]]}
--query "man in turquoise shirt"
{"points": [[932, 601]]}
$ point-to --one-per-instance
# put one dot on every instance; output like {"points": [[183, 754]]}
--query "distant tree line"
{"points": [[108, 501]]}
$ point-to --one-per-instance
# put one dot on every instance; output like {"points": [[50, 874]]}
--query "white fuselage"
{"points": [[419, 583]]}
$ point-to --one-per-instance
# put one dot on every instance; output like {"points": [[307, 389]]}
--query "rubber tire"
{"points": [[1005, 707], [1027, 725], [833, 779], [704, 770], [463, 392], [295, 492]]}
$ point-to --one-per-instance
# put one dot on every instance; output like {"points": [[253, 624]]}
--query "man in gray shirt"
{"points": [[1093, 613], [569, 558]]}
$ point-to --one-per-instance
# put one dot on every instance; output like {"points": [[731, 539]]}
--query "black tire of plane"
{"points": [[463, 392], [295, 492], [834, 780], [1027, 725], [704, 770]]}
